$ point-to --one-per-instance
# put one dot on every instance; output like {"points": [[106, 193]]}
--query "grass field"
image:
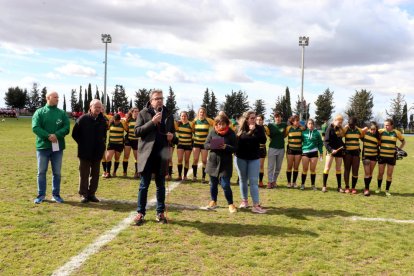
{"points": [[304, 232]]}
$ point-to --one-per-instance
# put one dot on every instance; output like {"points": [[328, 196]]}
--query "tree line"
{"points": [[360, 104]]}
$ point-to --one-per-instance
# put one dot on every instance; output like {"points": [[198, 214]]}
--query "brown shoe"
{"points": [[139, 219]]}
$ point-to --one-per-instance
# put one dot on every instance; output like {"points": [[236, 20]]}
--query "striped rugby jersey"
{"points": [[388, 142], [294, 135], [184, 133], [201, 129], [352, 138]]}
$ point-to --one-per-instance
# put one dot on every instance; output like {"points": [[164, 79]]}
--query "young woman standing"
{"points": [[185, 144], [311, 144], [294, 150]]}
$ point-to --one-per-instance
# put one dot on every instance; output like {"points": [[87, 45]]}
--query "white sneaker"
{"points": [[244, 204], [258, 209]]}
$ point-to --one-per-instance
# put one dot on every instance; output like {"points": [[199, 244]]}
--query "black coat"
{"points": [[148, 132], [220, 161], [90, 135]]}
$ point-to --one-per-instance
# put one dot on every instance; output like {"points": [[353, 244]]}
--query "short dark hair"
{"points": [[222, 119], [277, 114]]}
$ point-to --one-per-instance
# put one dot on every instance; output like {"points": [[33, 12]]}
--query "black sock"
{"points": [[338, 180], [185, 171], [289, 176], [204, 172], [104, 166], [366, 181], [325, 179], [116, 165], [170, 170], [387, 185], [313, 178], [194, 170], [125, 166], [136, 167], [180, 169], [295, 176], [354, 182], [379, 183], [261, 177], [303, 178], [108, 166]]}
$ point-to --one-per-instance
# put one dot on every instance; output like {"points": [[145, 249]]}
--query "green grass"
{"points": [[304, 232]]}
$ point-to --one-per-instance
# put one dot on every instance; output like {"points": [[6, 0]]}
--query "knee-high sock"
{"points": [[104, 166], [204, 171], [379, 183], [367, 181], [170, 170], [313, 178], [185, 171], [261, 176], [194, 170], [325, 177], [354, 181], [108, 166], [295, 176], [338, 178], [303, 177], [136, 166], [125, 166], [116, 165], [180, 169], [289, 176], [388, 184]]}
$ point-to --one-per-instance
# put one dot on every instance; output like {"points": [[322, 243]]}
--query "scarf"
{"points": [[221, 132]]}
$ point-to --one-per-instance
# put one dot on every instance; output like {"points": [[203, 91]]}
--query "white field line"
{"points": [[383, 220], [93, 248]]}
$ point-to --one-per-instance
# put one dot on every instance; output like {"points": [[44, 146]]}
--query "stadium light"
{"points": [[106, 38], [303, 41]]}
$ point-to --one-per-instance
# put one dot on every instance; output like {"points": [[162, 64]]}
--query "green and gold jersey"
{"points": [[370, 144], [116, 133], [352, 138], [388, 142], [184, 133], [201, 129], [294, 135], [267, 131], [131, 129]]}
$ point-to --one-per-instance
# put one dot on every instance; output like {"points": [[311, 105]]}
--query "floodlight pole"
{"points": [[106, 38], [303, 41]]}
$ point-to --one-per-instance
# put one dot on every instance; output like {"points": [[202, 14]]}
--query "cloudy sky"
{"points": [[225, 45]]}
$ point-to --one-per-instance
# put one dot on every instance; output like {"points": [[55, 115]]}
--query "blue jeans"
{"points": [[143, 191], [43, 158], [248, 171], [225, 183]]}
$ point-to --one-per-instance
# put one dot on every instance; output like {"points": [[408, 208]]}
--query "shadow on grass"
{"points": [[242, 230], [303, 213], [382, 194], [114, 205]]}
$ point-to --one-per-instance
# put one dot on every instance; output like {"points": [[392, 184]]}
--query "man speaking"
{"points": [[155, 127]]}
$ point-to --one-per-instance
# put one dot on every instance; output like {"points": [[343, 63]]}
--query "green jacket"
{"points": [[277, 134], [50, 120], [311, 140]]}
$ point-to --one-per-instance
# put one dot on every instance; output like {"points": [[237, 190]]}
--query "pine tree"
{"points": [[97, 94], [130, 104], [108, 105], [141, 98], [120, 99], [278, 107], [286, 106], [73, 101], [396, 110], [404, 120], [213, 105], [89, 99], [85, 102], [64, 102], [34, 101], [80, 100], [324, 107], [304, 107], [191, 112], [113, 106], [16, 97], [170, 103], [259, 107], [360, 106], [236, 104], [43, 96], [206, 101]]}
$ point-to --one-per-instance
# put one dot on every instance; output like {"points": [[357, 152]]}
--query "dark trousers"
{"points": [[152, 166], [88, 177], [225, 184]]}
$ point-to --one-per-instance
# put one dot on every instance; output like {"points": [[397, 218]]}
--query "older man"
{"points": [[51, 125], [155, 127], [89, 132]]}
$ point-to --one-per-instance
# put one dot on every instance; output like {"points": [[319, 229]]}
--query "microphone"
{"points": [[159, 109]]}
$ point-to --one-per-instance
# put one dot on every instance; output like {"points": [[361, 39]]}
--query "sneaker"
{"points": [[161, 218], [244, 204], [340, 190], [195, 179], [203, 180], [387, 193], [377, 191], [84, 199], [232, 209], [314, 188], [366, 192], [261, 185], [347, 190], [258, 209], [289, 185], [185, 179], [57, 198], [324, 189], [39, 199], [269, 185], [124, 174], [354, 191], [139, 219], [93, 198], [294, 185], [107, 175], [212, 205], [302, 187], [136, 175], [114, 174]]}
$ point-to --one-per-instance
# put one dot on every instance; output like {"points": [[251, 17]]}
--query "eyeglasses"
{"points": [[252, 118], [158, 99]]}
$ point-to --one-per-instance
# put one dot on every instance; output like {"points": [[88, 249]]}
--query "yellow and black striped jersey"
{"points": [[352, 137], [388, 142], [116, 133], [267, 131], [201, 129], [130, 129], [184, 133], [370, 144], [294, 135]]}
